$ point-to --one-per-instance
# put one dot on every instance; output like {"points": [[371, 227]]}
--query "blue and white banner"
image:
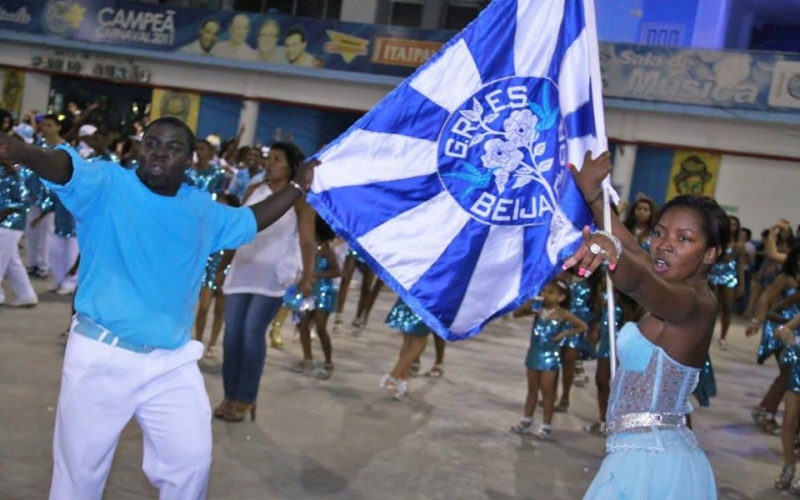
{"points": [[455, 187]]}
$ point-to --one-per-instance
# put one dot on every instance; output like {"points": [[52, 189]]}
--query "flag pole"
{"points": [[602, 143]]}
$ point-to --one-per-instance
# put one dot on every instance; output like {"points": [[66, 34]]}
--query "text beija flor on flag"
{"points": [[455, 187]]}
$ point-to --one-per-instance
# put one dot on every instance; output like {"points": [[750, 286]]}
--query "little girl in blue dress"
{"points": [[324, 295], [552, 324]]}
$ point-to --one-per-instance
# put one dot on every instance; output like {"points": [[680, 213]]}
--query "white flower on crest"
{"points": [[501, 154], [520, 127]]}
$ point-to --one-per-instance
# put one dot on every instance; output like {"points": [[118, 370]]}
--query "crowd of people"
{"points": [[673, 285]]}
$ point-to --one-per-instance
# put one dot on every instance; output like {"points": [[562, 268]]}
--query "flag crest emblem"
{"points": [[455, 187]]}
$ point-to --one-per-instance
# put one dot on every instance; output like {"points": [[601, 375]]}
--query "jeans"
{"points": [[247, 317]]}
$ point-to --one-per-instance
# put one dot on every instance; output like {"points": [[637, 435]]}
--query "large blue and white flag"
{"points": [[455, 187]]}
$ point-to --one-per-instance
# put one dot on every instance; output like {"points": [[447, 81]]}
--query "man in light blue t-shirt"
{"points": [[144, 238]]}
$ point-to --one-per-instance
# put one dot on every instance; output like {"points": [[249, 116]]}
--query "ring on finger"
{"points": [[595, 249]]}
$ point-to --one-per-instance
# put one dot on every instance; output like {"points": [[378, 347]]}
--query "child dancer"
{"points": [[552, 324], [415, 339], [324, 294]]}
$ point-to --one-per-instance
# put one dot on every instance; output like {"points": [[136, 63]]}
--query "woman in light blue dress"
{"points": [[651, 453]]}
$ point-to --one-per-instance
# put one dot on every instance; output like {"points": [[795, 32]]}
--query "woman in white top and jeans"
{"points": [[259, 275]]}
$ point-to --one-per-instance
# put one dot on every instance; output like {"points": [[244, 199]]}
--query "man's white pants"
{"points": [[36, 248], [11, 267], [101, 389], [63, 255]]}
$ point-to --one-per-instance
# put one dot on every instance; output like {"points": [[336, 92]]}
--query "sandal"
{"points": [[598, 428], [303, 366], [794, 489], [436, 372], [545, 433], [524, 426], [770, 426], [415, 367], [325, 371], [758, 415], [211, 352], [399, 390], [561, 407], [784, 481]]}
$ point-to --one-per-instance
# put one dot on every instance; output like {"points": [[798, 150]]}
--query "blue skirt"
{"points": [[791, 357], [706, 385], [405, 320], [769, 344], [679, 472], [359, 259], [324, 294], [543, 357], [212, 265]]}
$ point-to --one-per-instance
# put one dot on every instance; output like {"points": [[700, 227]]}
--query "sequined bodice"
{"points": [[581, 299], [647, 379], [544, 330], [793, 310], [13, 195], [209, 179]]}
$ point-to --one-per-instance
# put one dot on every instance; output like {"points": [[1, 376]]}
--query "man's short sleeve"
{"points": [[86, 190], [234, 227]]}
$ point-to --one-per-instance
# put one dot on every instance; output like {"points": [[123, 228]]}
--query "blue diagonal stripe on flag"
{"points": [[455, 187]]}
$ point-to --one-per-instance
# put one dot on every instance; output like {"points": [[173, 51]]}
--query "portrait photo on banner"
{"points": [[182, 105]]}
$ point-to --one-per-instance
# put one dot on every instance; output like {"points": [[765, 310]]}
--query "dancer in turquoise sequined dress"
{"points": [[599, 333], [552, 323], [208, 178], [771, 311], [650, 452], [415, 339], [324, 293], [575, 348], [724, 277], [370, 285]]}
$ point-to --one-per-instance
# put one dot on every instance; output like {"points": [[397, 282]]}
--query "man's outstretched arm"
{"points": [[50, 164]]}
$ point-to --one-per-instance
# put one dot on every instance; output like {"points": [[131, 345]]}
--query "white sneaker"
{"points": [[27, 304], [65, 290]]}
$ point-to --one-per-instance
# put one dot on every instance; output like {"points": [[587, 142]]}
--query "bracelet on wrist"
{"points": [[616, 241], [298, 187], [597, 198]]}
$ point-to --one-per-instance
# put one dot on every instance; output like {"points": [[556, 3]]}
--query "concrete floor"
{"points": [[343, 439]]}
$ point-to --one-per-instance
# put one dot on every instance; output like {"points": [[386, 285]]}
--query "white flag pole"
{"points": [[602, 145]]}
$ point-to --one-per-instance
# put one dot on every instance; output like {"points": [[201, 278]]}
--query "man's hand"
{"points": [[52, 165], [11, 149], [305, 174]]}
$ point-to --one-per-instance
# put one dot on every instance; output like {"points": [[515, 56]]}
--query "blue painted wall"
{"points": [[651, 173], [310, 128], [618, 20], [218, 116], [622, 20]]}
